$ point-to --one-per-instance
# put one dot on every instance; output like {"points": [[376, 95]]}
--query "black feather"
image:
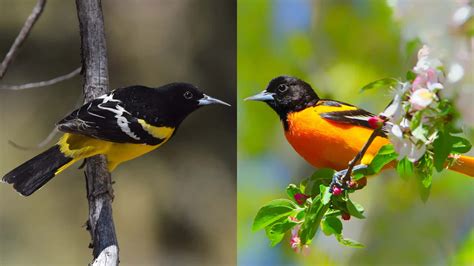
{"points": [[353, 117], [158, 107], [35, 173], [334, 103]]}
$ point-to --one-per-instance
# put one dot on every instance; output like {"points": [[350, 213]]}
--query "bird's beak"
{"points": [[206, 100], [263, 96]]}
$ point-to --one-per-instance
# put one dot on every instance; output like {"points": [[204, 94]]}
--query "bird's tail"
{"points": [[464, 165], [35, 173]]}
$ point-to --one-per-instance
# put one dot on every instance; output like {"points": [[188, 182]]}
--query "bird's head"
{"points": [[184, 98], [286, 94]]}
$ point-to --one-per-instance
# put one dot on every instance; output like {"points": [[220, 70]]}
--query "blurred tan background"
{"points": [[173, 206]]}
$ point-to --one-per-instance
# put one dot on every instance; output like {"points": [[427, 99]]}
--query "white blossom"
{"points": [[422, 98]]}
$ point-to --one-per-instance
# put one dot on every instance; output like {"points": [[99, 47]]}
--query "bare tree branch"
{"points": [[42, 83], [25, 31], [98, 179]]}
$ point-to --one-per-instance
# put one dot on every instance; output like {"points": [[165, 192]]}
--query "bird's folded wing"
{"points": [[356, 117], [105, 118]]}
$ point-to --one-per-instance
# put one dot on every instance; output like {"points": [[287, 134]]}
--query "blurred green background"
{"points": [[338, 47], [174, 206]]}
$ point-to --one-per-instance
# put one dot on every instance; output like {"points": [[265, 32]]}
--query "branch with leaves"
{"points": [[421, 125]]}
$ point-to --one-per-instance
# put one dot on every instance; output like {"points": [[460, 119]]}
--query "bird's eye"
{"points": [[188, 95], [282, 88]]}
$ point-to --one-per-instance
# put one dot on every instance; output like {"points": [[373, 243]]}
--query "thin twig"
{"points": [[20, 39], [44, 83], [40, 145], [50, 136], [353, 162]]}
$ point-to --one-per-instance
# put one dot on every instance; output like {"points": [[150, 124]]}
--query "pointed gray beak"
{"points": [[206, 100], [262, 96]]}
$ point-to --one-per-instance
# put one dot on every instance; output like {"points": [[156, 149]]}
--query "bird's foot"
{"points": [[339, 184]]}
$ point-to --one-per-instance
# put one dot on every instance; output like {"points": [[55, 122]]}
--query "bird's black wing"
{"points": [[105, 118], [357, 116]]}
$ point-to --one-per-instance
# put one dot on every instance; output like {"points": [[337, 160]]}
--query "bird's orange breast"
{"points": [[324, 143]]}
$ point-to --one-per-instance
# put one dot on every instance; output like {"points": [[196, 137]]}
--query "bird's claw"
{"points": [[337, 181]]}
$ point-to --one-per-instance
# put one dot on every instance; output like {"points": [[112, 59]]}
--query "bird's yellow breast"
{"points": [[79, 147]]}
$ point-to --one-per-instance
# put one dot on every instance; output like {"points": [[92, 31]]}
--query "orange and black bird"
{"points": [[123, 124], [327, 133]]}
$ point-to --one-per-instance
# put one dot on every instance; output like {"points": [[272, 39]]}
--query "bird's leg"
{"points": [[339, 181], [342, 179]]}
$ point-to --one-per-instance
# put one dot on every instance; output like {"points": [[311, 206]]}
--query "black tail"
{"points": [[33, 174]]}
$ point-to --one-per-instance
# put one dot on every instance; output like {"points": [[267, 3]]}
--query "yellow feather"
{"points": [[157, 132], [79, 147]]}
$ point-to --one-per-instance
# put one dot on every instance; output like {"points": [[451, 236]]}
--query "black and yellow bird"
{"points": [[327, 133], [123, 124]]}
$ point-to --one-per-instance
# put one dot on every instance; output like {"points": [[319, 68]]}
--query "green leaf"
{"points": [[405, 168], [424, 192], [424, 171], [410, 76], [300, 215], [332, 212], [361, 173], [358, 207], [442, 148], [321, 176], [460, 145], [385, 155], [416, 120], [445, 108], [349, 242], [426, 180], [325, 194], [312, 220], [272, 212], [331, 225], [291, 190], [324, 175], [303, 184], [277, 231], [381, 83], [353, 211]]}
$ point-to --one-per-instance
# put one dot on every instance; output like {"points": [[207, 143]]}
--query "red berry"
{"points": [[345, 216], [375, 122], [336, 191], [300, 198]]}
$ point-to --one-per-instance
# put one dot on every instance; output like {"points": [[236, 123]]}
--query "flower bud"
{"points": [[375, 122]]}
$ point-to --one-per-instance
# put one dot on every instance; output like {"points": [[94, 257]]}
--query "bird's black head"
{"points": [[184, 98], [167, 105], [286, 94]]}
